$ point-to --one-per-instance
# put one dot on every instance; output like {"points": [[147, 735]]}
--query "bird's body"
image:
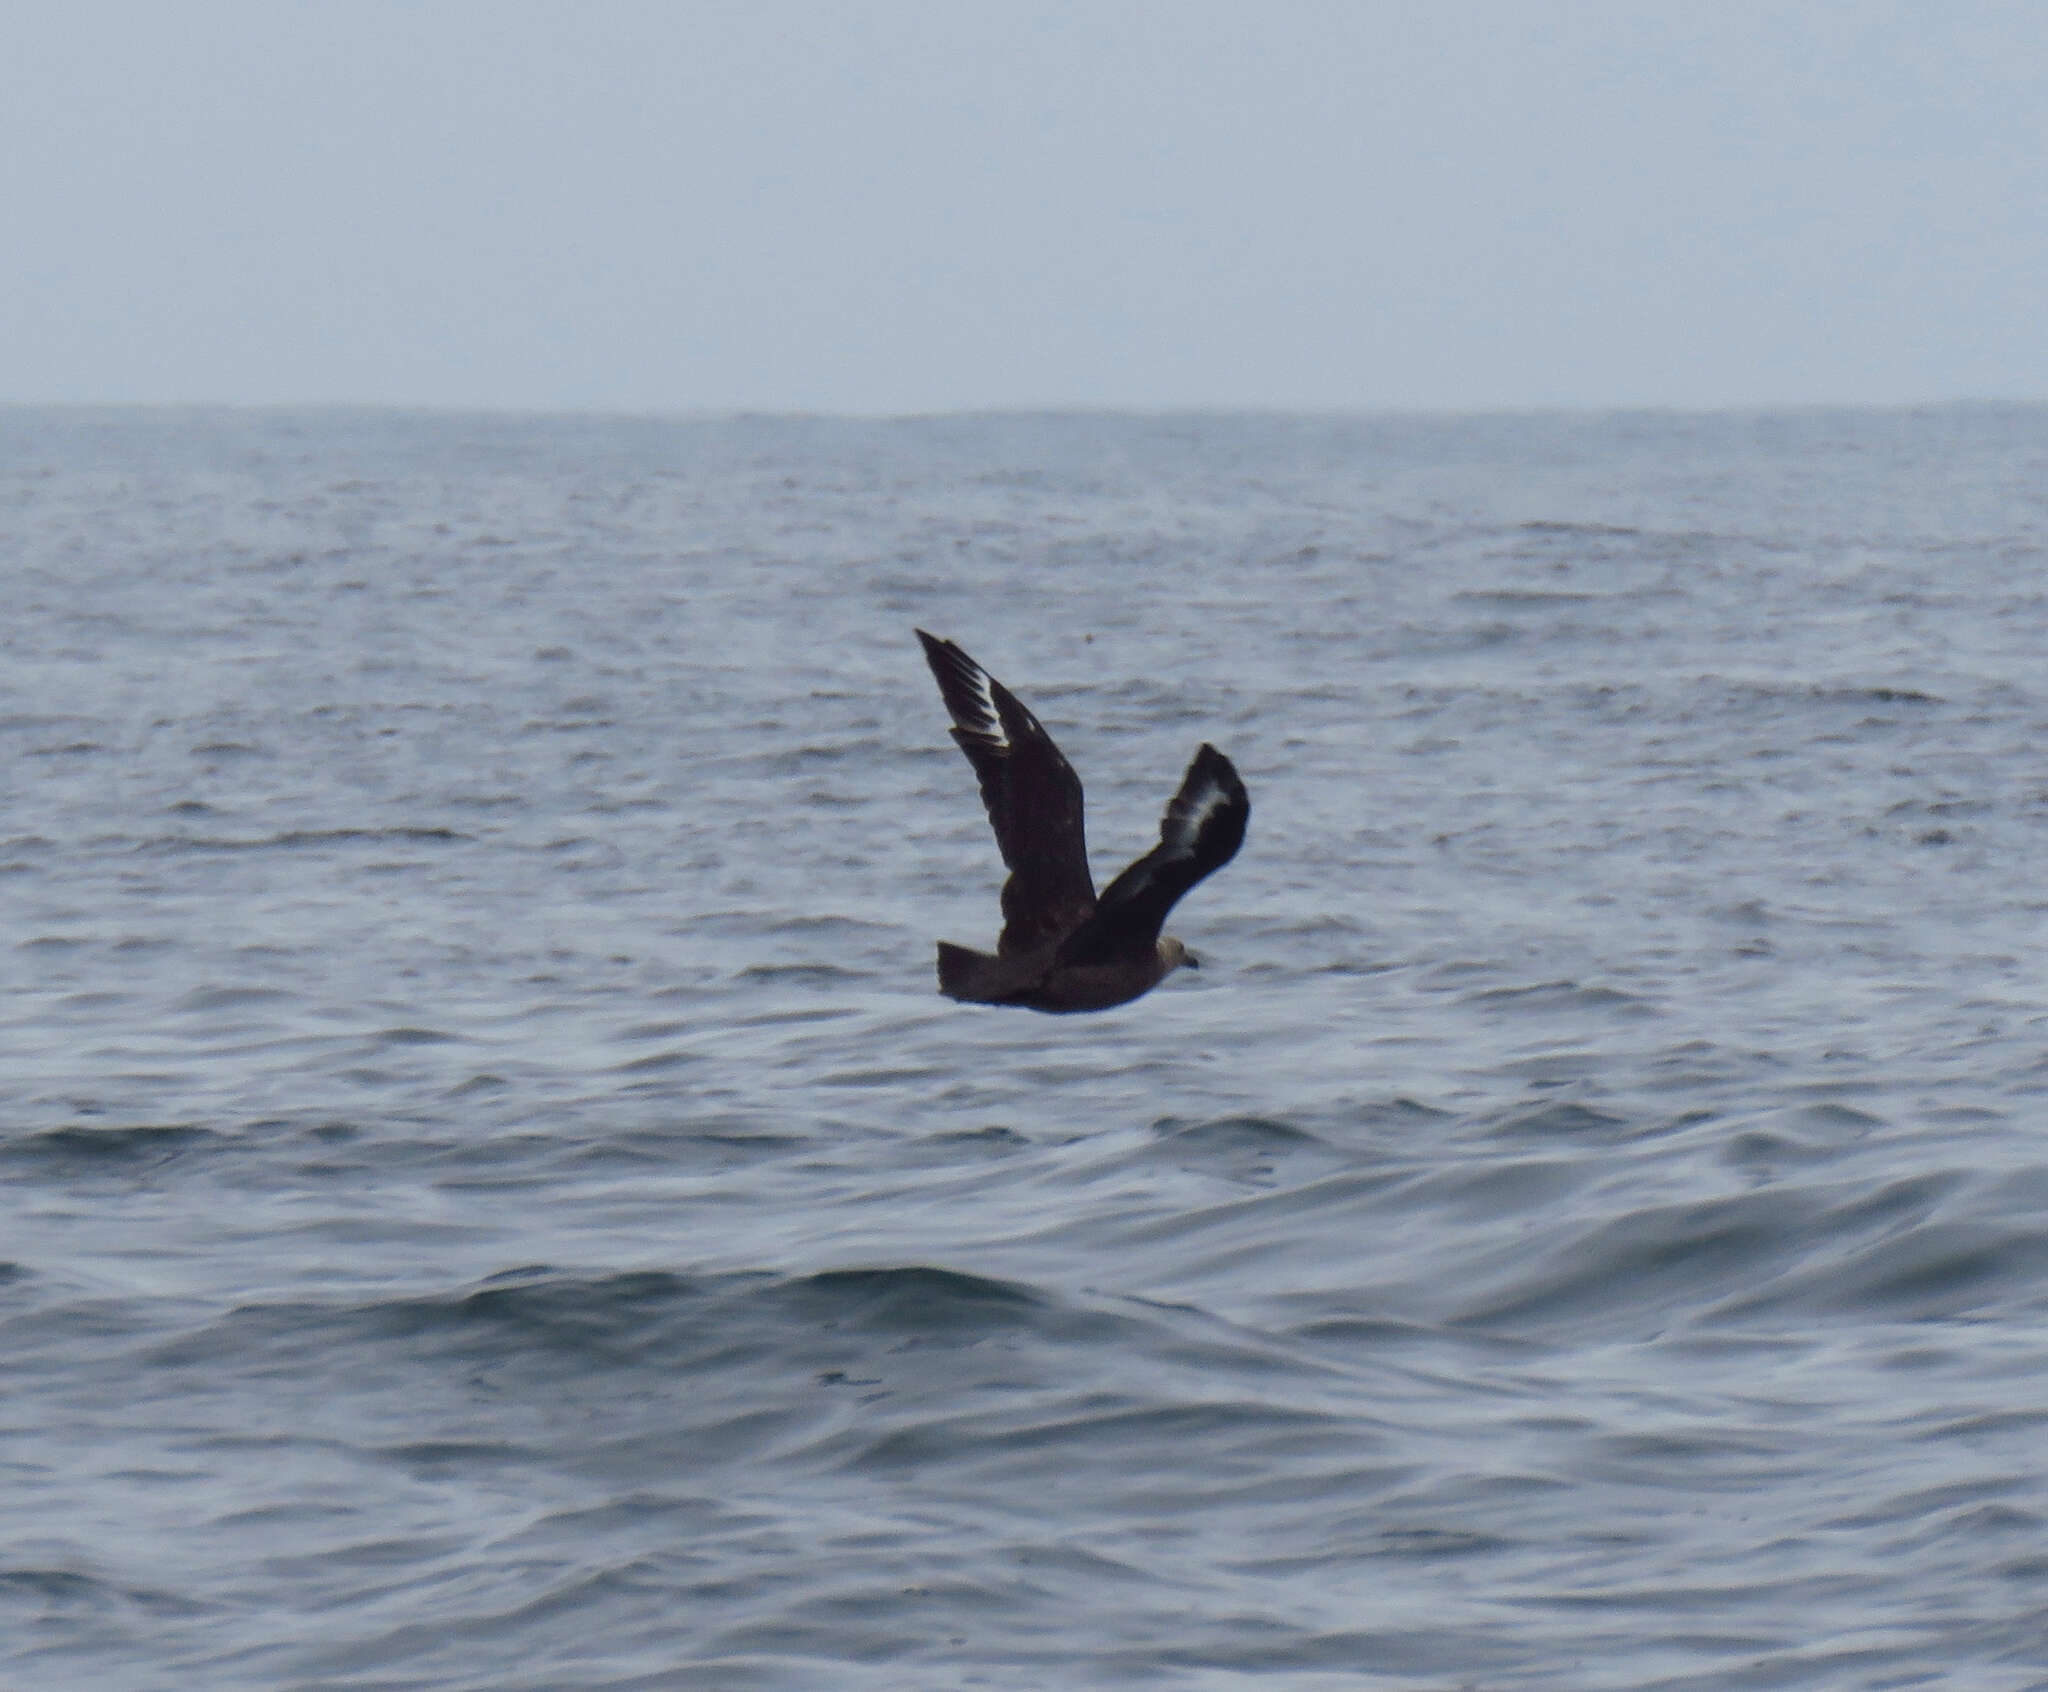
{"points": [[1040, 981], [1062, 948]]}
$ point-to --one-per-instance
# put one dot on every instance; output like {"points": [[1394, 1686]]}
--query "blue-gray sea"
{"points": [[493, 1200]]}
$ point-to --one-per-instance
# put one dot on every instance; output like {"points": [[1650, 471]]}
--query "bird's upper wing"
{"points": [[1200, 833], [1033, 799]]}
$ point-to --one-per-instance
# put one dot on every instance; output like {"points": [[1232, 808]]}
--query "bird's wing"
{"points": [[1200, 833], [1033, 799]]}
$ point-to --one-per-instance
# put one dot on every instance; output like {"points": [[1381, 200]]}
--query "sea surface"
{"points": [[493, 1200]]}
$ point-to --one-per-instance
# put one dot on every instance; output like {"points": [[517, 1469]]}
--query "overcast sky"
{"points": [[893, 205]]}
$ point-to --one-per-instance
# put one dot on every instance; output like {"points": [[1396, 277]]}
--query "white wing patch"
{"points": [[970, 695], [985, 699], [1192, 812]]}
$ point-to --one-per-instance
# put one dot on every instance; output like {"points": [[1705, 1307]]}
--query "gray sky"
{"points": [[892, 205]]}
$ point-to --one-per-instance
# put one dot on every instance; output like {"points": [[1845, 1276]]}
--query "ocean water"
{"points": [[494, 1201]]}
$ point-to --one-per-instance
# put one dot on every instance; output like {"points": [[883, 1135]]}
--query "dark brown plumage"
{"points": [[1062, 948]]}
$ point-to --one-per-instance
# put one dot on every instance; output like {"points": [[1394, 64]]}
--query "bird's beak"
{"points": [[1192, 961]]}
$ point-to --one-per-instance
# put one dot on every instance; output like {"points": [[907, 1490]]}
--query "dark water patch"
{"points": [[206, 1000], [675, 1518], [86, 1148], [1240, 1645], [1306, 928], [1493, 1192], [1352, 1333], [812, 924], [56, 1591], [303, 839], [57, 1334], [1398, 1112], [1702, 1458], [1453, 974], [1778, 699], [1932, 1271], [1843, 1122], [915, 1299], [280, 1515], [801, 760], [1415, 1544], [1529, 598], [1965, 1499], [526, 1311], [781, 1018], [1257, 1151], [1638, 1272], [1569, 529], [1555, 996], [1236, 1134], [1356, 967], [99, 1003], [1972, 1525], [656, 1062], [1267, 1221], [18, 854], [1105, 1432], [1698, 1126], [995, 1139], [1949, 808], [371, 1554], [664, 1030], [1980, 1425], [692, 1145], [806, 974], [406, 1036], [1565, 1119], [486, 801], [535, 1157], [1765, 1152], [462, 1462], [542, 1320], [372, 1234], [1801, 1135], [1877, 695], [885, 1077]]}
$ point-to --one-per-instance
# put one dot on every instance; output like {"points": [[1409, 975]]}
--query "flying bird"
{"points": [[1062, 948]]}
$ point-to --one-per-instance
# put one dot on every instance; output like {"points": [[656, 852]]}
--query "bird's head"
{"points": [[1174, 955]]}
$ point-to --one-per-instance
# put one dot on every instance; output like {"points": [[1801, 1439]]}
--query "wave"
{"points": [[79, 1147], [302, 839], [641, 1316]]}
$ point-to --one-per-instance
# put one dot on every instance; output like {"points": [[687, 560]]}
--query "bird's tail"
{"points": [[964, 973]]}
